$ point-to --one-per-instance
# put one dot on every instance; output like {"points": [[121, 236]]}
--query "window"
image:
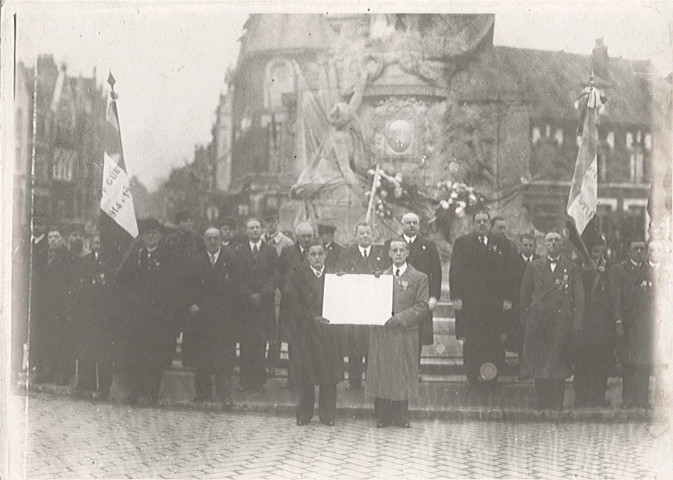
{"points": [[279, 80], [62, 165]]}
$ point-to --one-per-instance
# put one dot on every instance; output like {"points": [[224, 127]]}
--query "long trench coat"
{"points": [[392, 370], [553, 306], [316, 346], [632, 296]]}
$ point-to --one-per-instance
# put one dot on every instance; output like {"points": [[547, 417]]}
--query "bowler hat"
{"points": [[148, 224], [183, 215], [229, 221]]}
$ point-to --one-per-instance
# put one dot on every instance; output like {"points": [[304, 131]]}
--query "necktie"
{"points": [[364, 254], [212, 259], [397, 272], [482, 240], [255, 250]]}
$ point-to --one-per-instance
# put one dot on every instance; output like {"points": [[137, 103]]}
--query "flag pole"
{"points": [[377, 175]]}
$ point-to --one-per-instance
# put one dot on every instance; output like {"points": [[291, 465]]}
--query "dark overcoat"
{"points": [[598, 328], [261, 276], [289, 259], [52, 320], [316, 346], [146, 292], [392, 368], [516, 271], [478, 276], [553, 308], [632, 296], [356, 337], [216, 290], [424, 257], [333, 251], [93, 305]]}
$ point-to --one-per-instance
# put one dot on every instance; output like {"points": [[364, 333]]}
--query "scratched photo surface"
{"points": [[181, 178]]}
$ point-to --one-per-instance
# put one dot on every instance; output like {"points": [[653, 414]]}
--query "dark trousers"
{"points": [[326, 402], [476, 352], [94, 371], [391, 411], [591, 380], [218, 363], [253, 346], [355, 369], [636, 385], [550, 393]]}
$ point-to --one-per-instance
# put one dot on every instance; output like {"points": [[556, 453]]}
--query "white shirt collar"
{"points": [[409, 239], [553, 259], [317, 272], [402, 269], [275, 237], [216, 255], [634, 263], [527, 259], [362, 250], [258, 243], [150, 250]]}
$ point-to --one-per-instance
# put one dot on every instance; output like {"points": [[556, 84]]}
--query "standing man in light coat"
{"points": [[393, 348], [552, 304]]}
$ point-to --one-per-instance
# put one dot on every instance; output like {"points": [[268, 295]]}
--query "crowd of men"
{"points": [[258, 288]]}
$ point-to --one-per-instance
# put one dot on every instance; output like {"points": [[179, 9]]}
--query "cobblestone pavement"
{"points": [[57, 437]]}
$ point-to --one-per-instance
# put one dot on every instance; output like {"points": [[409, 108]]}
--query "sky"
{"points": [[170, 58]]}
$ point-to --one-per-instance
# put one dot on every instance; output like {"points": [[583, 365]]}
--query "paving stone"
{"points": [[114, 441]]}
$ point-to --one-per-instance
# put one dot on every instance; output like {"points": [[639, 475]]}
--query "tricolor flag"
{"points": [[118, 226], [583, 197]]}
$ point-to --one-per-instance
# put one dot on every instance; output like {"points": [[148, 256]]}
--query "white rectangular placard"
{"points": [[358, 299]]}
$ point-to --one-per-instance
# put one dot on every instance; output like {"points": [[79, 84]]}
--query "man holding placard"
{"points": [[392, 370], [363, 258], [319, 360]]}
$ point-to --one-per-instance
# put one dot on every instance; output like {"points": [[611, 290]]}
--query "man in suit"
{"points": [[52, 328], [38, 262], [332, 248], [552, 302], [518, 265], [481, 294], [363, 258], [632, 296], [147, 295], [596, 346], [228, 232], [215, 284], [271, 234], [291, 257], [93, 314], [182, 246], [257, 314], [393, 348], [424, 257], [316, 347], [278, 241]]}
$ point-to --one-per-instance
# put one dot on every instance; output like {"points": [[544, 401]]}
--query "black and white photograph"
{"points": [[275, 240]]}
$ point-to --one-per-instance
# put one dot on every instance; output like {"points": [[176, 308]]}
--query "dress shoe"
{"points": [[380, 423], [302, 423], [329, 423]]}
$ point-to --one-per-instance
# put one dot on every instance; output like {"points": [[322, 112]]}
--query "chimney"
{"points": [[599, 60]]}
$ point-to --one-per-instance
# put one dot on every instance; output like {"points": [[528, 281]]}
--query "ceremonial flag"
{"points": [[118, 226], [583, 197]]}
